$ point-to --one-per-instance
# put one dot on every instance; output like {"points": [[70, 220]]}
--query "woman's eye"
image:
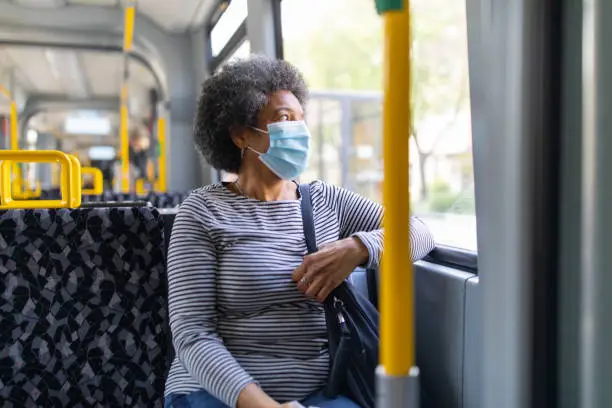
{"points": [[284, 117]]}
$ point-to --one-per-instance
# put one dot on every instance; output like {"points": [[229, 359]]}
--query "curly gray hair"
{"points": [[233, 98]]}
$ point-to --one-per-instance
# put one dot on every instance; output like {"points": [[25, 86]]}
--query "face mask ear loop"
{"points": [[242, 153], [259, 130]]}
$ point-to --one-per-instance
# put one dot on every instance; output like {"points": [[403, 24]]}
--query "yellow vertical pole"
{"points": [[125, 148], [128, 27], [14, 127], [14, 143], [161, 139], [397, 291], [398, 375], [128, 37]]}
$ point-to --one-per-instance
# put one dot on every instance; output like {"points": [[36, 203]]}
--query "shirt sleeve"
{"points": [[192, 307], [362, 218]]}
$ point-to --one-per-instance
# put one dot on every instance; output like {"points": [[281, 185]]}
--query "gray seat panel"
{"points": [[472, 367], [440, 309]]}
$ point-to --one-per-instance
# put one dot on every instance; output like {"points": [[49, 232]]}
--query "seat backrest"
{"points": [[83, 307]]}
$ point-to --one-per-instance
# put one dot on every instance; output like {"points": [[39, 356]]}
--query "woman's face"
{"points": [[282, 106]]}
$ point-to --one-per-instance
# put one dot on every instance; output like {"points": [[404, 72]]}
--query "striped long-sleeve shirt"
{"points": [[236, 315]]}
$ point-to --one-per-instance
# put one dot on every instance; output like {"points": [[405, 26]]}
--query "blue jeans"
{"points": [[202, 399]]}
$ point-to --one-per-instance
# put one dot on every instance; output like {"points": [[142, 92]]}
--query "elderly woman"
{"points": [[245, 302]]}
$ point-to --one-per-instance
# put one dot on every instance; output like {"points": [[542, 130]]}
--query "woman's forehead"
{"points": [[283, 100]]}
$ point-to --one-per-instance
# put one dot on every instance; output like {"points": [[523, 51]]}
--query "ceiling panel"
{"points": [[7, 63], [40, 3], [34, 66], [104, 3], [103, 72], [171, 17]]}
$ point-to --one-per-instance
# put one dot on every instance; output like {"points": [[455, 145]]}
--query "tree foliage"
{"points": [[338, 44]]}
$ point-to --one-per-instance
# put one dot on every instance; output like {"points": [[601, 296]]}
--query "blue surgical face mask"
{"points": [[287, 156]]}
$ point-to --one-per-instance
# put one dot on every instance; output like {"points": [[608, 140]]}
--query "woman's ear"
{"points": [[239, 136]]}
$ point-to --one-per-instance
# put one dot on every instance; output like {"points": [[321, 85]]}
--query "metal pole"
{"points": [[398, 375], [128, 36], [596, 279]]}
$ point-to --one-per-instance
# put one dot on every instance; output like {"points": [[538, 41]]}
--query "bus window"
{"points": [[338, 47], [227, 25]]}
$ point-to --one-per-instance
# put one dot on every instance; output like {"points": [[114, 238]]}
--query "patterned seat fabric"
{"points": [[83, 309]]}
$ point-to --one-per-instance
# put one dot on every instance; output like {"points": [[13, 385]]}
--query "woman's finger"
{"points": [[325, 291], [298, 273], [315, 286]]}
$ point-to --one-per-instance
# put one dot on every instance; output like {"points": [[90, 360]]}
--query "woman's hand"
{"points": [[323, 271]]}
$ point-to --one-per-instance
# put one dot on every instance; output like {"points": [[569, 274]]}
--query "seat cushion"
{"points": [[83, 308]]}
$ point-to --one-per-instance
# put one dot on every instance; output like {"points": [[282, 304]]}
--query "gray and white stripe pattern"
{"points": [[236, 316]]}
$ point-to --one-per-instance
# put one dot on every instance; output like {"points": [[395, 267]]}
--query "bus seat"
{"points": [[168, 215], [83, 305]]}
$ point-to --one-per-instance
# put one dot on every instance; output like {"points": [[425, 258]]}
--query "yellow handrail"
{"points": [[397, 290], [98, 180], [75, 182], [69, 170]]}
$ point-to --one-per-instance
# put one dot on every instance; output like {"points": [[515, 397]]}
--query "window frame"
{"points": [[454, 257], [236, 40]]}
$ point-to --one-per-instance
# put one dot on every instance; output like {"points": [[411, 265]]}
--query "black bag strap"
{"points": [[308, 218]]}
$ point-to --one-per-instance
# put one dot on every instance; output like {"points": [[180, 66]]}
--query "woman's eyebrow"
{"points": [[287, 108]]}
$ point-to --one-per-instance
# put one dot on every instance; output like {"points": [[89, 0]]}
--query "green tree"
{"points": [[338, 45]]}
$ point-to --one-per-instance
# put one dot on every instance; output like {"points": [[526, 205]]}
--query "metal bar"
{"points": [[68, 191], [277, 17], [98, 181], [75, 182], [161, 140], [397, 374], [128, 35], [596, 259], [128, 28], [14, 127], [125, 148]]}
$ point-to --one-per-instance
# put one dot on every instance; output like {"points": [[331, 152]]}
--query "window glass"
{"points": [[338, 46], [227, 25]]}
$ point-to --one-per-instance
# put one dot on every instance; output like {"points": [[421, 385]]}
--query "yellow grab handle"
{"points": [[8, 157], [75, 182], [397, 281], [98, 180]]}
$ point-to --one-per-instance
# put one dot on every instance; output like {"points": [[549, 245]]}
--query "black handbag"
{"points": [[353, 331]]}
